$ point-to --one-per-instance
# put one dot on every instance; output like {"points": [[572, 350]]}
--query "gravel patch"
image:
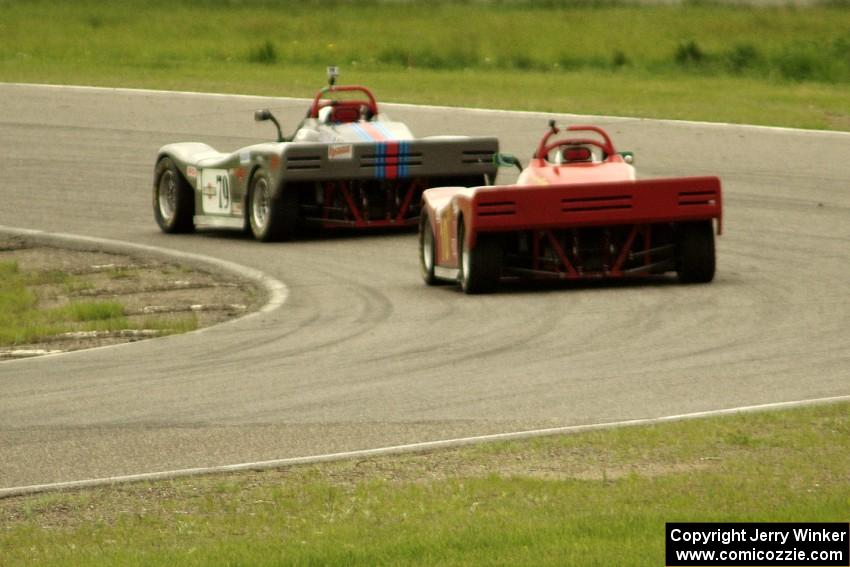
{"points": [[147, 287]]}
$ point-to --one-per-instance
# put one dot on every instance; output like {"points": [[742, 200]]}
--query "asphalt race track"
{"points": [[362, 354]]}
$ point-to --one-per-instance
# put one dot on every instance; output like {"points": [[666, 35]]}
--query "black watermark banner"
{"points": [[758, 544]]}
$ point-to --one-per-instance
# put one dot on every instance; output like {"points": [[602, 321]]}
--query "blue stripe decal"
{"points": [[407, 150], [383, 129], [402, 159], [380, 168], [364, 135]]}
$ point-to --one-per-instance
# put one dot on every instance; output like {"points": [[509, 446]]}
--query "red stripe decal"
{"points": [[391, 158]]}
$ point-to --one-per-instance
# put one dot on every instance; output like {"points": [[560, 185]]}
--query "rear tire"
{"points": [[427, 250], [271, 218], [695, 252], [173, 198], [480, 267]]}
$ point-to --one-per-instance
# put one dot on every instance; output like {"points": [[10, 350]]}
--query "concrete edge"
{"points": [[276, 291]]}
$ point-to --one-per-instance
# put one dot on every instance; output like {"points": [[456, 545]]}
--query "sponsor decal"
{"points": [[340, 151], [192, 171], [239, 173], [210, 190], [274, 162]]}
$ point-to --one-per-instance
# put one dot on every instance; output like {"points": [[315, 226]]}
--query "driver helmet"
{"points": [[325, 114]]}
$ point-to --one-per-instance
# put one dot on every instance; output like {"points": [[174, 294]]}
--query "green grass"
{"points": [[122, 274], [74, 285], [24, 321], [767, 65], [598, 498], [93, 310], [171, 325]]}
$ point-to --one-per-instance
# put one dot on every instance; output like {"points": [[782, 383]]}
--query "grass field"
{"points": [[780, 65], [598, 498]]}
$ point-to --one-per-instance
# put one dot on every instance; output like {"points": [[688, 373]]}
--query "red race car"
{"points": [[576, 212]]}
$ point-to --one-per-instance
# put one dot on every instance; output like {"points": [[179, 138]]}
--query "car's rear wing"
{"points": [[422, 158], [510, 208]]}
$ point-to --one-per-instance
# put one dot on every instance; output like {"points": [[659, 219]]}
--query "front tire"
{"points": [[695, 255], [271, 217], [427, 250], [173, 198], [480, 267]]}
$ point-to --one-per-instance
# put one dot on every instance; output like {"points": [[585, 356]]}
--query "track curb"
{"points": [[275, 290]]}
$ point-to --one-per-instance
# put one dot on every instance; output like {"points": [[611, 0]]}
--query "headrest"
{"points": [[345, 114], [576, 153]]}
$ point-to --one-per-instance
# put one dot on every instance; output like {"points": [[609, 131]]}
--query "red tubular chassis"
{"points": [[581, 215]]}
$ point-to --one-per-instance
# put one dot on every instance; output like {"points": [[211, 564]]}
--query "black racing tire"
{"points": [[427, 250], [173, 198], [271, 218], [480, 267], [695, 258]]}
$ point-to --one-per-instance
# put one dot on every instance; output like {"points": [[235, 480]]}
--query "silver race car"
{"points": [[346, 165]]}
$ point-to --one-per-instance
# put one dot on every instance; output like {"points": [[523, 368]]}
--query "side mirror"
{"points": [[265, 114], [506, 160], [628, 157]]}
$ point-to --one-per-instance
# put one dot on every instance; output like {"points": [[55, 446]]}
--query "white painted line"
{"points": [[26, 353], [127, 90], [519, 113], [408, 448], [276, 290]]}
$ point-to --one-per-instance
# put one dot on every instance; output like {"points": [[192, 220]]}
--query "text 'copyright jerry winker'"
{"points": [[758, 544]]}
